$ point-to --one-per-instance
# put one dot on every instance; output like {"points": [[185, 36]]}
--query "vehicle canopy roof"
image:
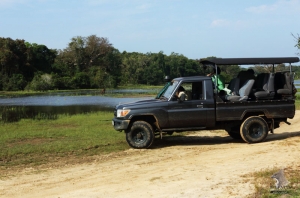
{"points": [[192, 78], [248, 61]]}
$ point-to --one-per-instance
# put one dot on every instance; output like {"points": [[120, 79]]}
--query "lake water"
{"points": [[103, 101], [50, 106], [297, 83]]}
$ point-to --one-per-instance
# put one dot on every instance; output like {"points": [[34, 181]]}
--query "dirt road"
{"points": [[206, 164]]}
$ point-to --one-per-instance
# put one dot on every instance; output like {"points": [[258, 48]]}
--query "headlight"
{"points": [[122, 112]]}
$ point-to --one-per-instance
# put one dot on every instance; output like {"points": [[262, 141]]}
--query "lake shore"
{"points": [[122, 91]]}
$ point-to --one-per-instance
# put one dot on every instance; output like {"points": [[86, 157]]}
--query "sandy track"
{"points": [[206, 164]]}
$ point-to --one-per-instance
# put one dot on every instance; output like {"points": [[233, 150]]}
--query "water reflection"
{"points": [[64, 101], [49, 107], [16, 113]]}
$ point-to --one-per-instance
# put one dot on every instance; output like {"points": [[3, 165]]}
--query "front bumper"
{"points": [[120, 124]]}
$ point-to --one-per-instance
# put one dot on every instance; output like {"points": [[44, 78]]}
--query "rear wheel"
{"points": [[140, 135], [254, 129]]}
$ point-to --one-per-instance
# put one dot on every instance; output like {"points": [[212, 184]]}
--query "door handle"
{"points": [[199, 106]]}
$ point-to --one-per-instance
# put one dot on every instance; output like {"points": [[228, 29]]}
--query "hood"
{"points": [[140, 104]]}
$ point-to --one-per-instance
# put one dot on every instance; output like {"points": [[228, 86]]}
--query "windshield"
{"points": [[162, 91], [170, 89]]}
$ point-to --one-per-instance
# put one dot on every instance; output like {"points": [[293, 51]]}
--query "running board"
{"points": [[184, 129]]}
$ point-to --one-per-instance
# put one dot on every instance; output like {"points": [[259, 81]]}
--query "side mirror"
{"points": [[167, 79]]}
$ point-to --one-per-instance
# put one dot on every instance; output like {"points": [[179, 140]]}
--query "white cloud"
{"points": [[278, 7], [219, 23], [143, 6], [262, 8], [14, 3], [9, 3], [234, 24], [98, 2]]}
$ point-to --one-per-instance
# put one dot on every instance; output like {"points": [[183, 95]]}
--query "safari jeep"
{"points": [[258, 105]]}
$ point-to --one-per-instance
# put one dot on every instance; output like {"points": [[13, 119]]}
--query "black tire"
{"points": [[140, 135], [254, 129], [235, 135], [234, 132]]}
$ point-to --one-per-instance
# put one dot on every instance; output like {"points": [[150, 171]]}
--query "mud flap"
{"points": [[272, 126], [160, 131]]}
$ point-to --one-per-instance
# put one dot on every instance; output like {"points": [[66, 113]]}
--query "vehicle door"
{"points": [[192, 112]]}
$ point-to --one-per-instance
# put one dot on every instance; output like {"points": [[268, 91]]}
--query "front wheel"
{"points": [[235, 135], [140, 135], [254, 129], [234, 132]]}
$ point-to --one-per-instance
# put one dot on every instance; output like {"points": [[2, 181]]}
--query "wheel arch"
{"points": [[149, 118], [250, 113]]}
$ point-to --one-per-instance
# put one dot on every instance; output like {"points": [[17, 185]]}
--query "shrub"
{"points": [[14, 83], [81, 80], [41, 83]]}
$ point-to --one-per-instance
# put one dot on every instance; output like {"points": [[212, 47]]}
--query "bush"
{"points": [[81, 80], [14, 83], [61, 82], [41, 83]]}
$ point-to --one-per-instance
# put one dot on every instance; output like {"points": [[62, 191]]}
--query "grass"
{"points": [[297, 104], [109, 93], [33, 142], [136, 86], [36, 142], [10, 94], [265, 185]]}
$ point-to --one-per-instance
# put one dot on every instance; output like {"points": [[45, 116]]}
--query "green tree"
{"points": [[13, 61], [230, 71], [40, 57], [85, 57], [19, 60], [113, 60]]}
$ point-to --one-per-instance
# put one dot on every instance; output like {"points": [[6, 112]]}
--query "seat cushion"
{"points": [[284, 91], [264, 95], [233, 98], [261, 94]]}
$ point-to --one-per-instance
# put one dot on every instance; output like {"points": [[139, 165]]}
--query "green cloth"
{"points": [[220, 81]]}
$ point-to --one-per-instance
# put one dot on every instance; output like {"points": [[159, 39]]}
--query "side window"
{"points": [[197, 91], [193, 90], [187, 86]]}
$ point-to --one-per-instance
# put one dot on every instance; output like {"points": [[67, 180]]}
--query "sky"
{"points": [[193, 28]]}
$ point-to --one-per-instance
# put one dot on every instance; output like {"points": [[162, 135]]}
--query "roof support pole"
{"points": [[216, 82]]}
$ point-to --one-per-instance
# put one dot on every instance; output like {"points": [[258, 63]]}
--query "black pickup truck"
{"points": [[255, 106]]}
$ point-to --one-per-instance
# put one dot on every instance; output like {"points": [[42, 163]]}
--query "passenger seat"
{"points": [[283, 84], [264, 86], [243, 93], [189, 95], [236, 83]]}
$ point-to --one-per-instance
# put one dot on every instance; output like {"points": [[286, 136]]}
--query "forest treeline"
{"points": [[93, 62]]}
